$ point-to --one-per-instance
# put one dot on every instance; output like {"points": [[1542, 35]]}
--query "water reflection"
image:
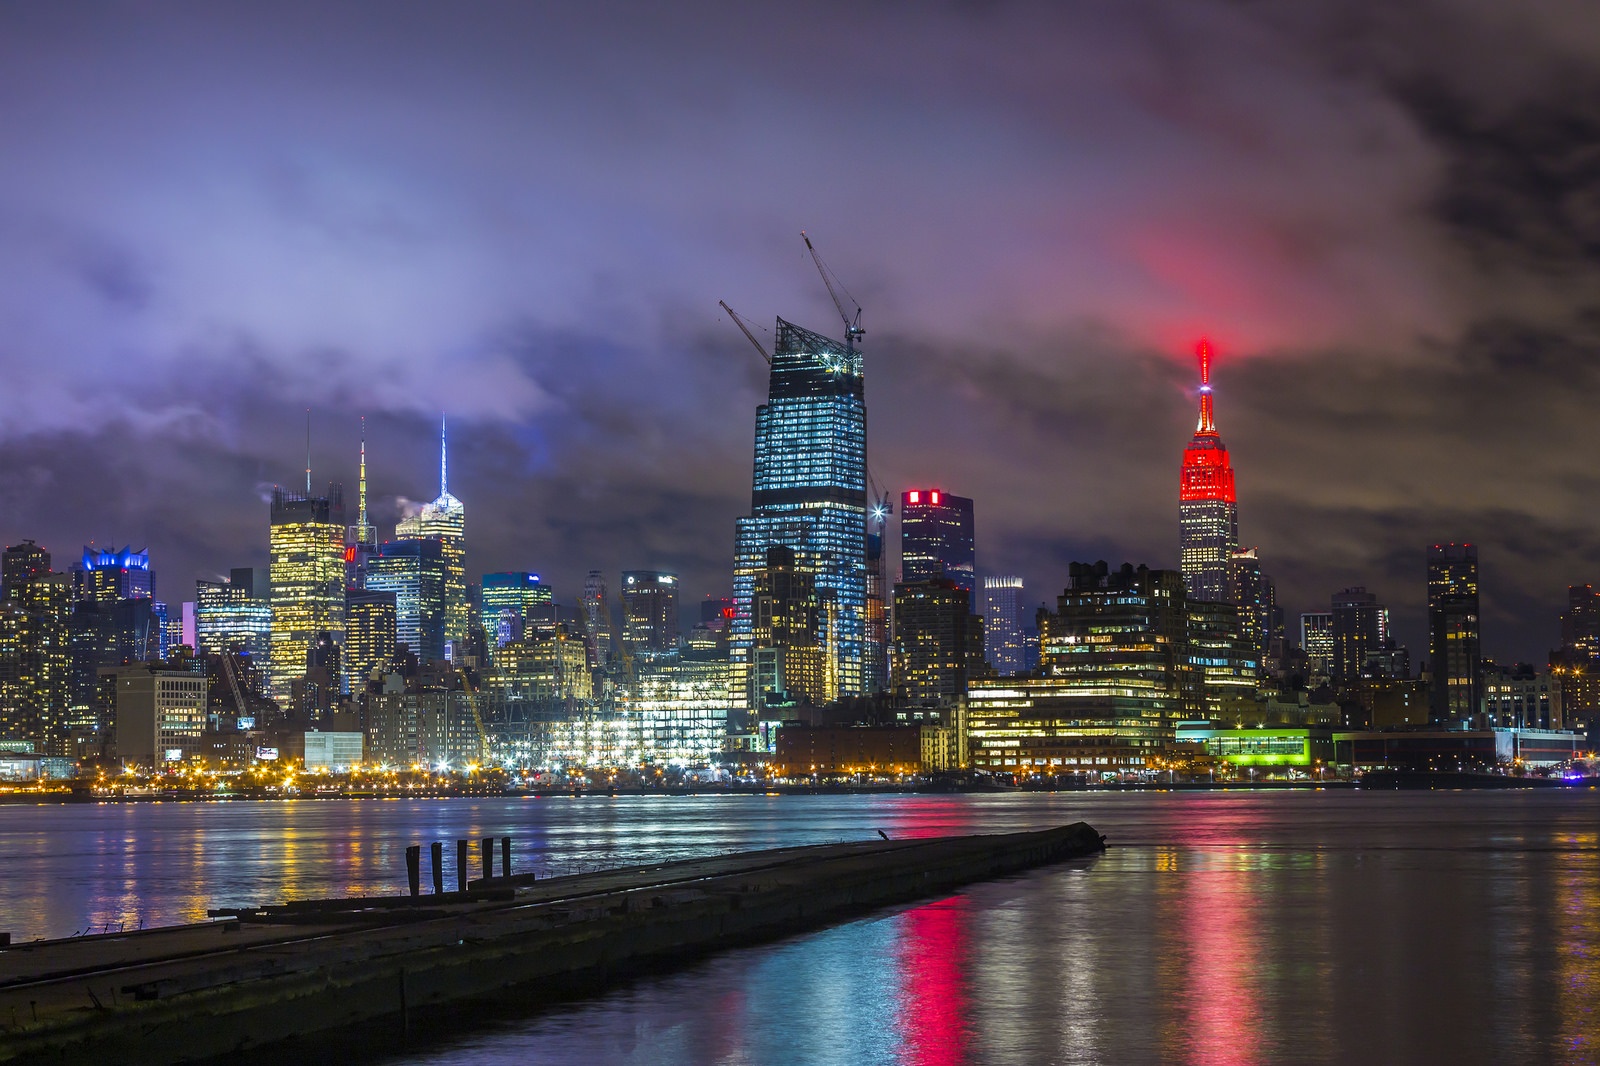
{"points": [[1237, 928]]}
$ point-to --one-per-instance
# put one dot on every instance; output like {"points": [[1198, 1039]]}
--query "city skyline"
{"points": [[1389, 381]]}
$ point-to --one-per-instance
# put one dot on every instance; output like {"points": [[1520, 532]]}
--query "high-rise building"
{"points": [[116, 575], [597, 610], [787, 657], [161, 714], [1208, 519], [1360, 626], [809, 493], [1456, 691], [1316, 640], [235, 615], [650, 612], [444, 520], [35, 662], [936, 538], [512, 600], [361, 539], [306, 568], [875, 649], [416, 572], [19, 563], [1576, 665], [1003, 643], [938, 641], [370, 620], [1253, 593]]}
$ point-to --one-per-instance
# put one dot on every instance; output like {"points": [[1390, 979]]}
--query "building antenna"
{"points": [[1208, 422], [444, 469], [363, 493], [308, 453]]}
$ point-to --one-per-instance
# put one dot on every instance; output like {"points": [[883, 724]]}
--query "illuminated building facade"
{"points": [[650, 612], [235, 614], [1208, 519], [1125, 656], [787, 655], [1456, 693], [597, 611], [875, 650], [36, 663], [108, 576], [1316, 640], [1576, 665], [416, 572], [445, 520], [936, 538], [1360, 627], [1003, 644], [510, 600], [683, 706], [938, 641], [370, 635], [1520, 697], [306, 572], [553, 669], [160, 715], [19, 563], [809, 494]]}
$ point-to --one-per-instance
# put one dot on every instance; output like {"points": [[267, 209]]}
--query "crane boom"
{"points": [[746, 330], [852, 327]]}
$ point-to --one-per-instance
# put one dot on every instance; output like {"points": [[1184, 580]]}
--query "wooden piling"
{"points": [[488, 857], [461, 866], [414, 868], [505, 856], [438, 868]]}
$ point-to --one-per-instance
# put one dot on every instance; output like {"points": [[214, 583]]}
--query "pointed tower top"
{"points": [[444, 465], [1208, 423], [363, 518]]}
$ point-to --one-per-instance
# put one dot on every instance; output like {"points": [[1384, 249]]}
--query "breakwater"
{"points": [[277, 973]]}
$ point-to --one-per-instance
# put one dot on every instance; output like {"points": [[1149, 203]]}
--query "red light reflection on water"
{"points": [[932, 1008]]}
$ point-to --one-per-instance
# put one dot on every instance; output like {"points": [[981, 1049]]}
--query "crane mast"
{"points": [[852, 326], [762, 348]]}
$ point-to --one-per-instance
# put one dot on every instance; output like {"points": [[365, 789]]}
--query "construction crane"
{"points": [[484, 746], [762, 348], [881, 506], [852, 326]]}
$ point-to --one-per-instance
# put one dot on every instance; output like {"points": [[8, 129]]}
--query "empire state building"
{"points": [[1208, 519]]}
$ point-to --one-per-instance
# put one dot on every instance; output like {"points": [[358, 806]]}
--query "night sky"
{"points": [[1386, 216]]}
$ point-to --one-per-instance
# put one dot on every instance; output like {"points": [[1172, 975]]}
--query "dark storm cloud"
{"points": [[1387, 216]]}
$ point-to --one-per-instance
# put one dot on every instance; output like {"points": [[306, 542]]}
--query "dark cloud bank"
{"points": [[1387, 216]]}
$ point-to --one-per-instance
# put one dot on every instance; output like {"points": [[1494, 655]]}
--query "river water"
{"points": [[1223, 927]]}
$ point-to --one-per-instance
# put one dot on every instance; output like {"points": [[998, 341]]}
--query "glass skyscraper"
{"points": [[1457, 689], [307, 576], [415, 571], [936, 538], [810, 495], [234, 615], [445, 520]]}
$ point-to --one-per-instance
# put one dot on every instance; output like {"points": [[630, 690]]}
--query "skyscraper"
{"points": [[306, 566], [369, 636], [108, 576], [235, 614], [597, 608], [361, 539], [518, 592], [1316, 640], [415, 571], [938, 641], [936, 537], [19, 563], [1208, 520], [444, 520], [1456, 690], [809, 493], [1360, 627], [1002, 625], [1577, 664], [650, 612]]}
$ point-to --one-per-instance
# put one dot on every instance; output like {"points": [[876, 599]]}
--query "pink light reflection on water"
{"points": [[932, 1018]]}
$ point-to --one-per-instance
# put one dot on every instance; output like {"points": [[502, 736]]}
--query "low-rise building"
{"points": [[806, 751], [161, 714]]}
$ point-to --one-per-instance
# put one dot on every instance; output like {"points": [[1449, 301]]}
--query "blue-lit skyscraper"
{"points": [[810, 495]]}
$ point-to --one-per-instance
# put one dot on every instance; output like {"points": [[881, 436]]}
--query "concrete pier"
{"points": [[267, 974]]}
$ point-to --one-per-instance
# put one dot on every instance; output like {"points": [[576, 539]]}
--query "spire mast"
{"points": [[363, 519], [308, 453], [1208, 422], [444, 468]]}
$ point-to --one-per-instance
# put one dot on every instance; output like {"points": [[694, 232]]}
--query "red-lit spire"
{"points": [[1207, 474], [1208, 423]]}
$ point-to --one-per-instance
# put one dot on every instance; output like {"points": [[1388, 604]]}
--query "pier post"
{"points": [[488, 857], [461, 866], [414, 868], [505, 856], [438, 867]]}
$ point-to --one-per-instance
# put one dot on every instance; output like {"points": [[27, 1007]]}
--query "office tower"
{"points": [[596, 603], [1316, 640], [1390, 660], [1360, 625], [875, 650], [1252, 592], [788, 662], [361, 539], [35, 661], [444, 520], [936, 537], [416, 571], [1576, 665], [716, 611], [650, 612], [1520, 697], [512, 601], [19, 563], [938, 642], [370, 635], [1456, 689], [235, 615], [306, 573], [809, 493], [1003, 643], [116, 575], [160, 715], [1208, 520]]}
